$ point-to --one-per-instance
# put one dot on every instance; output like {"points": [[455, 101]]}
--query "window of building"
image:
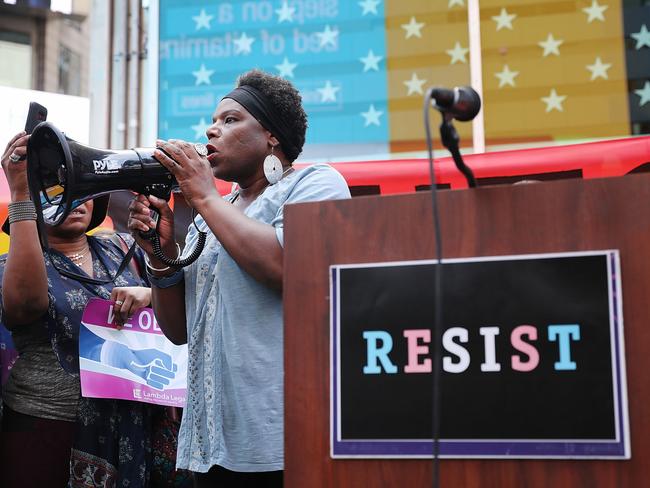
{"points": [[64, 6], [16, 55], [69, 71]]}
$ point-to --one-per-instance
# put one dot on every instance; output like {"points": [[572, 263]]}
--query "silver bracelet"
{"points": [[18, 211], [160, 270]]}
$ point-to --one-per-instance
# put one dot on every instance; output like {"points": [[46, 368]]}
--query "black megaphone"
{"points": [[63, 174]]}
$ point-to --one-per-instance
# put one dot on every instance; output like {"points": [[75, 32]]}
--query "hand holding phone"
{"points": [[36, 114]]}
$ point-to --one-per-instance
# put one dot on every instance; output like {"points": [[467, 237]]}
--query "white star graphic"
{"points": [[460, 3], [328, 92], [413, 28], [414, 85], [457, 54], [550, 45], [243, 45], [285, 13], [554, 101], [644, 93], [328, 36], [598, 69], [504, 19], [200, 128], [642, 37], [286, 68], [595, 12], [371, 62], [202, 20], [369, 6], [371, 116], [202, 75], [506, 77]]}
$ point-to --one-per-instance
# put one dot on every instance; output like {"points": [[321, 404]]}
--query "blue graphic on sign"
{"points": [[333, 51]]}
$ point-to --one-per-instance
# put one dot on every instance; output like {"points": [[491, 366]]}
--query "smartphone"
{"points": [[36, 114]]}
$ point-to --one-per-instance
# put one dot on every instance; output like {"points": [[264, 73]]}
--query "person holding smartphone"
{"points": [[50, 436]]}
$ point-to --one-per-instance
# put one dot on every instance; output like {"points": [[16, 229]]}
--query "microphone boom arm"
{"points": [[450, 139]]}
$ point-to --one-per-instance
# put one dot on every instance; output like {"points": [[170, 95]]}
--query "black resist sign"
{"points": [[529, 350]]}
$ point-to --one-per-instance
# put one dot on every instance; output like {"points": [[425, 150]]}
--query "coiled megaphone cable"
{"points": [[178, 262]]}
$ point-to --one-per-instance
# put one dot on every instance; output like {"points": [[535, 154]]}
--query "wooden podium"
{"points": [[560, 216]]}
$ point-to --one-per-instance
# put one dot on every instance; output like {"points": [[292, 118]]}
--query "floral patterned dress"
{"points": [[113, 441]]}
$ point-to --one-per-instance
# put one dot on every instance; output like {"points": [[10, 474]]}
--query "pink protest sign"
{"points": [[135, 363]]}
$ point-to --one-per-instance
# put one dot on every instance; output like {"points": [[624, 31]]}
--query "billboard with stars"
{"points": [[551, 71]]}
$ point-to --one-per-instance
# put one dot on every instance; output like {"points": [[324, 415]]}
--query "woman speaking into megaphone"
{"points": [[227, 305]]}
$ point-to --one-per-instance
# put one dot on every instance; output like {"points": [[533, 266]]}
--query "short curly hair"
{"points": [[286, 100]]}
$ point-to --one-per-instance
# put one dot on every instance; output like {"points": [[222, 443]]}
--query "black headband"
{"points": [[259, 107]]}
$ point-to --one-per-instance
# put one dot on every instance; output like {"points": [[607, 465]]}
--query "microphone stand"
{"points": [[437, 303], [450, 139]]}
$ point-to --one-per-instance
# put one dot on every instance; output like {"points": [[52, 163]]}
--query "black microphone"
{"points": [[461, 102]]}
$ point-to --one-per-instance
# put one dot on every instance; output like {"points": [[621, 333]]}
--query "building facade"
{"points": [[45, 49]]}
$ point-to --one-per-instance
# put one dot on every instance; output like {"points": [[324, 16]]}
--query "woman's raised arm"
{"points": [[24, 282]]}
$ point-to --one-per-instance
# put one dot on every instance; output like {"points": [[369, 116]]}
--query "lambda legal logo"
{"points": [[137, 393]]}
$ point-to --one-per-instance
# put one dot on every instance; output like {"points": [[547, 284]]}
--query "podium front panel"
{"points": [[552, 217]]}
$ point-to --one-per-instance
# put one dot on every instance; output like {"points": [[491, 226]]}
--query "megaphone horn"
{"points": [[64, 173]]}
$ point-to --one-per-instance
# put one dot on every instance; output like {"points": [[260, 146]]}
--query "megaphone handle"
{"points": [[155, 216]]}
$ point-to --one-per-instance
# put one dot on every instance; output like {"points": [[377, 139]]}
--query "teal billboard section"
{"points": [[334, 51]]}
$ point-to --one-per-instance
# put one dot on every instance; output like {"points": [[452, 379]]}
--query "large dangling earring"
{"points": [[272, 168]]}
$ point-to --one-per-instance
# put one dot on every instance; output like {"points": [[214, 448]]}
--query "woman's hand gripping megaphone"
{"points": [[187, 163], [142, 224]]}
